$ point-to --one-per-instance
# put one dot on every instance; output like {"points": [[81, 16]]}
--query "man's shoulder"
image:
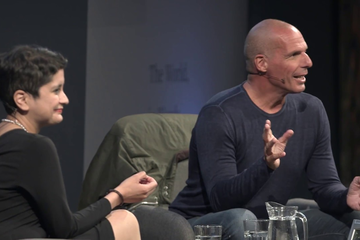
{"points": [[225, 95], [304, 97], [304, 103]]}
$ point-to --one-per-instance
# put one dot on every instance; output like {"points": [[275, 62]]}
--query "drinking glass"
{"points": [[208, 232], [256, 229]]}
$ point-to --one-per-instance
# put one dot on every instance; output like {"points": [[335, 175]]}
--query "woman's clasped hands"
{"points": [[137, 187]]}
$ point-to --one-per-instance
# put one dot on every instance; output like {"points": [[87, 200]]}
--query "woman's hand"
{"points": [[137, 187], [133, 189]]}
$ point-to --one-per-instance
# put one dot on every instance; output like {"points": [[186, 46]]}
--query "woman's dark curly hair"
{"points": [[27, 68]]}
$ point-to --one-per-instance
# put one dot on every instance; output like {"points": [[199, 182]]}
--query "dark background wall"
{"points": [[130, 42], [349, 49], [61, 26]]}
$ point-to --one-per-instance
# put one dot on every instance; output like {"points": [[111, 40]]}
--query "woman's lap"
{"points": [[102, 231]]}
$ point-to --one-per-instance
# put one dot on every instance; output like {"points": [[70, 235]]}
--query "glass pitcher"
{"points": [[282, 224]]}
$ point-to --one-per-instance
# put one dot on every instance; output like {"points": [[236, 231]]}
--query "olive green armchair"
{"points": [[157, 144]]}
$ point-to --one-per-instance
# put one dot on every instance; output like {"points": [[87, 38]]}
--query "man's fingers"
{"points": [[267, 133], [279, 155], [269, 146], [268, 122], [286, 136]]}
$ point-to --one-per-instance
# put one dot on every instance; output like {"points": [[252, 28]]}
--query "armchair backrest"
{"points": [[149, 142]]}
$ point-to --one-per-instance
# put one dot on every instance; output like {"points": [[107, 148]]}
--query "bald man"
{"points": [[237, 152]]}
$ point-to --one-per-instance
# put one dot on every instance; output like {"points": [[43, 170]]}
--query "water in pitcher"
{"points": [[283, 228], [282, 224], [213, 237], [255, 235]]}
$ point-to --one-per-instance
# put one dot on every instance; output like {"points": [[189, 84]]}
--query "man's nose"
{"points": [[307, 61]]}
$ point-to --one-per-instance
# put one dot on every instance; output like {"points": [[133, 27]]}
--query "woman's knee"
{"points": [[123, 222], [122, 217]]}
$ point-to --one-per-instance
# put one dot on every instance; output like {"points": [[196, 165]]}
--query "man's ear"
{"points": [[260, 63], [21, 99]]}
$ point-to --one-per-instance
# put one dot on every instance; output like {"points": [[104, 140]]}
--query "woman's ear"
{"points": [[260, 63], [21, 99]]}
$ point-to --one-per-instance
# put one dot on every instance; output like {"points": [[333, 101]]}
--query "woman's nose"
{"points": [[64, 99]]}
